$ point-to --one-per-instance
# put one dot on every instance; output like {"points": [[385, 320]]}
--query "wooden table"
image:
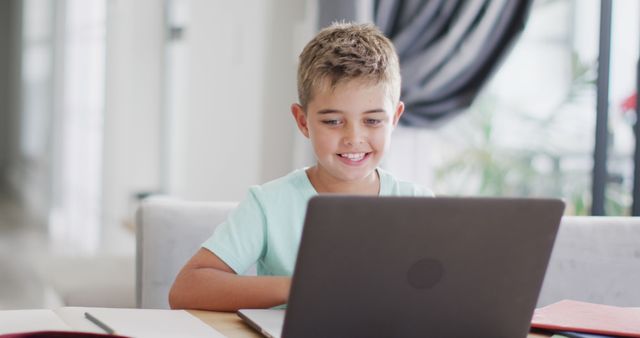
{"points": [[230, 325]]}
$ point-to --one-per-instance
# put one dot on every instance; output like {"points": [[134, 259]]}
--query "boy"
{"points": [[349, 92]]}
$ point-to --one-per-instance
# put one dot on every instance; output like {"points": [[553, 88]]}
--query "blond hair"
{"points": [[348, 51]]}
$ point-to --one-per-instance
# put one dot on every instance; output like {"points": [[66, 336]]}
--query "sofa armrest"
{"points": [[595, 259]]}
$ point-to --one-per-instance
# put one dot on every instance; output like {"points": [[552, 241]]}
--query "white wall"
{"points": [[226, 126], [218, 128], [221, 123], [289, 26], [135, 47], [233, 127]]}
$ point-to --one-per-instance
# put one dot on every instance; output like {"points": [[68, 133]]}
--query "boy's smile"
{"points": [[349, 127], [353, 158]]}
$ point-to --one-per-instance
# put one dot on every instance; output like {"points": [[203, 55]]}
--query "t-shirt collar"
{"points": [[311, 191]]}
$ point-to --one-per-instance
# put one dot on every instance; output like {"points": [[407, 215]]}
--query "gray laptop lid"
{"points": [[420, 267]]}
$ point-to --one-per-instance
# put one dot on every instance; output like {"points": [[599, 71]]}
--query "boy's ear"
{"points": [[398, 113], [301, 119]]}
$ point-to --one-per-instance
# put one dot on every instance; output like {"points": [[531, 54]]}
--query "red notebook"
{"points": [[58, 334], [570, 315]]}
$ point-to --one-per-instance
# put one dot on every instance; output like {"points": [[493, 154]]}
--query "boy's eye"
{"points": [[331, 122], [372, 122]]}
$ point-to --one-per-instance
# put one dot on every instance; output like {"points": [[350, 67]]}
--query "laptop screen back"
{"points": [[416, 267]]}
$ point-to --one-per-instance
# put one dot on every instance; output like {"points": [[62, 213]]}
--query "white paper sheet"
{"points": [[15, 321], [139, 323]]}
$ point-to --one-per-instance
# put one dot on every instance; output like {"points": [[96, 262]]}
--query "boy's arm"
{"points": [[208, 283]]}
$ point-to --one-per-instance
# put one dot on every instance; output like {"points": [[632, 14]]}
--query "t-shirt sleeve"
{"points": [[239, 240], [423, 191], [414, 189]]}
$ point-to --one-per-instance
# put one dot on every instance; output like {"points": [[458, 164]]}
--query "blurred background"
{"points": [[105, 102]]}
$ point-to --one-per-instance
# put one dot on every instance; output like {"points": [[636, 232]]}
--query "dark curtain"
{"points": [[448, 49]]}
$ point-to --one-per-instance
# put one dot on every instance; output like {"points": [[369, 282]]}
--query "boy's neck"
{"points": [[324, 183]]}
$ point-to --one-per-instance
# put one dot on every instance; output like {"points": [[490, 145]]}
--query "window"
{"points": [[76, 214], [531, 131]]}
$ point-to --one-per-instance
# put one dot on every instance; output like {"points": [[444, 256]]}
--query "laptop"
{"points": [[416, 267]]}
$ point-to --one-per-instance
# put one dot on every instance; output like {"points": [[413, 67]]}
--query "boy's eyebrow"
{"points": [[328, 111], [377, 110], [331, 111]]}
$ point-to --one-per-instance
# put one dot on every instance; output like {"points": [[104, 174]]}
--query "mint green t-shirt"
{"points": [[266, 227]]}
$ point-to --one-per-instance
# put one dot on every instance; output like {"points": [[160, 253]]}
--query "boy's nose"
{"points": [[353, 136]]}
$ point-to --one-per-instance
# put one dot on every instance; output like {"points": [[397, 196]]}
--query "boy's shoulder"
{"points": [[293, 183], [398, 187]]}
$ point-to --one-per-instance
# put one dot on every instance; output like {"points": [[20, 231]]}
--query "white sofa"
{"points": [[168, 232], [595, 259]]}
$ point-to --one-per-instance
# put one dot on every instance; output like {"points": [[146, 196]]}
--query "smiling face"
{"points": [[349, 127]]}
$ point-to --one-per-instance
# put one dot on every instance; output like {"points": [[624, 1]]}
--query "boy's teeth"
{"points": [[354, 157]]}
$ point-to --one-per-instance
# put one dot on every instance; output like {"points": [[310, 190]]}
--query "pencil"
{"points": [[96, 321]]}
